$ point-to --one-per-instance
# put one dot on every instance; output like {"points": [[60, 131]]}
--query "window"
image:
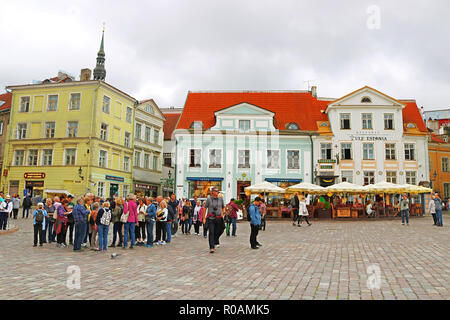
{"points": [[49, 130], [137, 159], [1, 127], [195, 158], [168, 159], [346, 151], [18, 157], [149, 109], [126, 190], [444, 164], [129, 114], [24, 104], [366, 121], [368, 151], [366, 100], [21, 131], [244, 125], [75, 101], [409, 151], [197, 125], [138, 131], [126, 164], [155, 163], [390, 151], [215, 158], [146, 161], [106, 104], [47, 157], [72, 129], [369, 177], [273, 159], [388, 121], [292, 126], [325, 151], [347, 176], [156, 136], [127, 139], [410, 177], [446, 191], [391, 176], [104, 131], [345, 121], [148, 133], [52, 103], [101, 189], [33, 157], [70, 157], [293, 159], [244, 159], [102, 158]]}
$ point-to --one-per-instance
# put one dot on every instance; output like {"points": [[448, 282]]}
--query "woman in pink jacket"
{"points": [[130, 209]]}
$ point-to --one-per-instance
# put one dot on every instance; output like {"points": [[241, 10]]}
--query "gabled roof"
{"points": [[364, 88], [170, 124], [411, 113], [434, 138], [5, 101], [289, 106]]}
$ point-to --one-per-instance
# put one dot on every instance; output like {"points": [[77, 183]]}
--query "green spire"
{"points": [[99, 71]]}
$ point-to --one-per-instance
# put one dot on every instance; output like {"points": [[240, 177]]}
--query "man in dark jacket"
{"points": [[438, 206], [79, 214], [171, 216], [26, 205], [295, 205]]}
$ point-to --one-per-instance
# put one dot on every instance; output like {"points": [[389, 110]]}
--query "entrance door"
{"points": [[13, 187], [113, 189], [35, 188], [241, 185]]}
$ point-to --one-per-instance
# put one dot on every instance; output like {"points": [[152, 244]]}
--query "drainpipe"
{"points": [[312, 159], [6, 152], [94, 104]]}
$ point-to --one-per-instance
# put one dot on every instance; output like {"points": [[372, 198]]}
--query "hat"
{"points": [[257, 199], [70, 196], [8, 197]]}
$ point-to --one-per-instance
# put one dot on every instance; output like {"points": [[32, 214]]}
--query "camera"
{"points": [[215, 208]]}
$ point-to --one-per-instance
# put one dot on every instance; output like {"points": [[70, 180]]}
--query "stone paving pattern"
{"points": [[328, 260]]}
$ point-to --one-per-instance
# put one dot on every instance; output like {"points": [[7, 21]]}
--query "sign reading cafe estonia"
{"points": [[359, 136]]}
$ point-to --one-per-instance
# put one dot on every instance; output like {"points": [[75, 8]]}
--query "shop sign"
{"points": [[142, 186], [5, 172], [113, 178], [34, 175], [367, 138]]}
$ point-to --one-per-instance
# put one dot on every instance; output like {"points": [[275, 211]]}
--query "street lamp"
{"points": [[80, 171]]}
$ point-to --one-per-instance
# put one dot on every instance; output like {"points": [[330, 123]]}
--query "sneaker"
{"points": [[212, 251], [131, 247], [403, 223], [255, 247], [63, 245], [112, 245], [84, 245], [34, 245], [299, 225], [259, 244], [149, 246], [163, 243], [217, 245]]}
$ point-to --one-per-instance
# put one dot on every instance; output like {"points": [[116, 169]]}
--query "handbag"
{"points": [[124, 216]]}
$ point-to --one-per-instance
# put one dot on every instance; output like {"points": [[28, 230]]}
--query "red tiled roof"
{"points": [[6, 97], [436, 139], [299, 107], [411, 113], [169, 124]]}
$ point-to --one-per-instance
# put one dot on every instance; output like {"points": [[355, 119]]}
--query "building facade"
{"points": [[234, 139], [439, 154], [72, 136], [5, 106], [148, 149], [370, 137]]}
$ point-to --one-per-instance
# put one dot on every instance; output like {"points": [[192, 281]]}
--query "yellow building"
{"points": [[69, 136]]}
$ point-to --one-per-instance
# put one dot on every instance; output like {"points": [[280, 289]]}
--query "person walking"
{"points": [[140, 229], [39, 218], [16, 205], [50, 221], [204, 221], [161, 218], [92, 225], [88, 201], [117, 224], [404, 209], [263, 211], [103, 220], [215, 210], [432, 208], [197, 219], [255, 222], [295, 207], [80, 214], [232, 217], [185, 218], [6, 208], [150, 216], [129, 227], [303, 211], [70, 221], [438, 206], [171, 218], [60, 223], [26, 205]]}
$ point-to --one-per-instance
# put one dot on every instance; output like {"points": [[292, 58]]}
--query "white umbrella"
{"points": [[307, 188], [346, 187], [264, 187], [385, 187]]}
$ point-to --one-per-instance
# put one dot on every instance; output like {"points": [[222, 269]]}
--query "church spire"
{"points": [[99, 71]]}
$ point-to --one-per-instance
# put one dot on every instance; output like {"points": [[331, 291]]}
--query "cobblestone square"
{"points": [[328, 260]]}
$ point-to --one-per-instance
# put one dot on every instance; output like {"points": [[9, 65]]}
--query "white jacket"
{"points": [[302, 209]]}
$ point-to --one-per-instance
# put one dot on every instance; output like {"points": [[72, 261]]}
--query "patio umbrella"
{"points": [[307, 188], [346, 187], [385, 187], [264, 187], [410, 188]]}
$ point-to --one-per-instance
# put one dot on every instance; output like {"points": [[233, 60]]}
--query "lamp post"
{"points": [[80, 171]]}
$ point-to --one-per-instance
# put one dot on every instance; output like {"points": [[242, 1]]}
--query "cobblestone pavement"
{"points": [[328, 260]]}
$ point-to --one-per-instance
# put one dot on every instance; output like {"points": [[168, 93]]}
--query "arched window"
{"points": [[366, 100], [292, 126], [197, 125]]}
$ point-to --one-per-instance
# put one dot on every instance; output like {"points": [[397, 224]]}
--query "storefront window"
{"points": [[202, 189]]}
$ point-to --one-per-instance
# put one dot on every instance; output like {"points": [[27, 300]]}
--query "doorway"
{"points": [[113, 190], [241, 185]]}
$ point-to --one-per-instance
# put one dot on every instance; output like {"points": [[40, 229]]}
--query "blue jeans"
{"points": [[439, 221], [80, 231], [169, 231], [233, 223], [86, 233], [102, 236], [184, 226], [405, 214], [150, 226], [49, 229], [190, 224], [129, 228], [23, 212]]}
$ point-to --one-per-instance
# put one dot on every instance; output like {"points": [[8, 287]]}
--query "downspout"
{"points": [[6, 154], [94, 103], [312, 159]]}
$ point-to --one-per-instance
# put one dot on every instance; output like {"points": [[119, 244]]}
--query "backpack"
{"points": [[248, 213], [40, 216], [106, 217], [228, 209]]}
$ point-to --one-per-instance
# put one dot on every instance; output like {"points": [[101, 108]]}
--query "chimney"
{"points": [[85, 74], [314, 91]]}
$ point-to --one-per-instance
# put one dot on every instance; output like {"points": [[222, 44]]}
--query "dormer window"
{"points": [[197, 125], [292, 126], [366, 100], [244, 125]]}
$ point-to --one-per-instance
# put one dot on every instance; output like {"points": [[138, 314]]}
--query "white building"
{"points": [[370, 137]]}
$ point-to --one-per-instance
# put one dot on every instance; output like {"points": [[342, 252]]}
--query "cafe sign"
{"points": [[367, 138], [34, 175]]}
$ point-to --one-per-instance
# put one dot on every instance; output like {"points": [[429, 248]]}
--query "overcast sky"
{"points": [[162, 49]]}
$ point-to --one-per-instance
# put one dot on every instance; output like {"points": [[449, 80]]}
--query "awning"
{"points": [[56, 191], [204, 179], [283, 180]]}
